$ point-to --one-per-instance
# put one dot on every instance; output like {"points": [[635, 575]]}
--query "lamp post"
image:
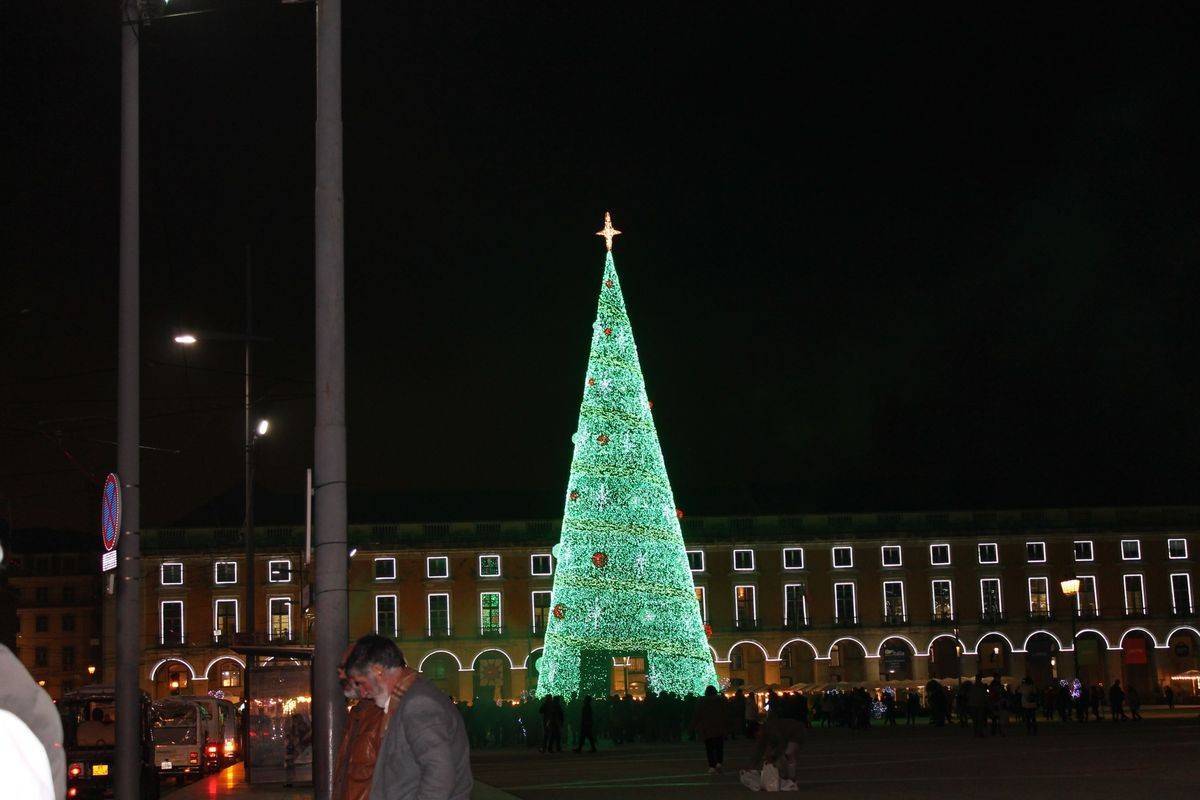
{"points": [[1070, 589]]}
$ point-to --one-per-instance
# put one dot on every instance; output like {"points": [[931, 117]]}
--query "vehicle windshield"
{"points": [[174, 724], [88, 723]]}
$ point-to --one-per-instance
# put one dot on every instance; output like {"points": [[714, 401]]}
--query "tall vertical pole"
{"points": [[332, 622], [128, 765], [247, 448]]}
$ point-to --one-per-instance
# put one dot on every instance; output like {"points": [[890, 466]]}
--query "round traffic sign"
{"points": [[110, 512]]}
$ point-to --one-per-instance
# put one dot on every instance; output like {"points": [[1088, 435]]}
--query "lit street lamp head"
{"points": [[185, 338], [263, 427], [1070, 586]]}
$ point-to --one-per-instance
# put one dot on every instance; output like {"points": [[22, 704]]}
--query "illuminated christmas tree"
{"points": [[622, 586]]}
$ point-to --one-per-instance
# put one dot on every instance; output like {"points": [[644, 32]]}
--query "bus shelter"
{"points": [[277, 722]]}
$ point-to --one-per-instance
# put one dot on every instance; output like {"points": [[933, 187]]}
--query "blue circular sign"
{"points": [[110, 512]]}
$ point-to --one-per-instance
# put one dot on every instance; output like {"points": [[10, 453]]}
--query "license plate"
{"points": [[165, 765], [99, 769]]}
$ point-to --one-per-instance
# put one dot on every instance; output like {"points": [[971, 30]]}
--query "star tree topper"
{"points": [[608, 231]]}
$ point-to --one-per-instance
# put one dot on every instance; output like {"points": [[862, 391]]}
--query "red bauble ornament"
{"points": [[602, 439], [591, 381], [679, 513], [574, 495], [600, 559], [708, 629], [559, 611], [608, 331], [608, 283]]}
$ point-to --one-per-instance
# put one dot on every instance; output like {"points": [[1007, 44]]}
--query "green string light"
{"points": [[623, 585]]}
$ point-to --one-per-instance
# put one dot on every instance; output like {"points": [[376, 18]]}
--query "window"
{"points": [[68, 622], [541, 611], [1131, 549], [1083, 551], [489, 566], [41, 594], [489, 612], [845, 607], [989, 553], [1087, 602], [279, 571], [695, 560], [41, 624], [386, 621], [170, 622], [745, 606], [40, 657], [793, 558], [1035, 552], [437, 567], [743, 560], [702, 601], [1176, 548], [943, 601], [171, 574], [843, 557], [795, 605], [230, 678], [225, 619], [1181, 593], [990, 605], [68, 593], [225, 572], [541, 564], [438, 615], [893, 601], [1039, 597], [68, 657], [279, 612], [385, 569], [890, 554], [939, 555], [1135, 596]]}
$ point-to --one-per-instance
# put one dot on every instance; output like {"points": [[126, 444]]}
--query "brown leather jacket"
{"points": [[358, 751]]}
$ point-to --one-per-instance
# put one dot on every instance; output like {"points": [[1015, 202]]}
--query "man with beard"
{"points": [[359, 748]]}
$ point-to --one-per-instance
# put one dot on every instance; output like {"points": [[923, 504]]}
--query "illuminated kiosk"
{"points": [[277, 735], [622, 585]]}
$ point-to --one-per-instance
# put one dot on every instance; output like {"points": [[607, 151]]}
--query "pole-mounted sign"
{"points": [[110, 521]]}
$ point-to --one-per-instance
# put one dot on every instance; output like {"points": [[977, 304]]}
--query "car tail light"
{"points": [[75, 770], [193, 757], [230, 747], [212, 749], [72, 791]]}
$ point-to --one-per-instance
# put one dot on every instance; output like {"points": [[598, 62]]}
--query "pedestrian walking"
{"points": [[1097, 694], [1169, 694], [1028, 694], [912, 707], [1116, 701], [977, 699], [709, 724], [586, 722], [751, 716], [1135, 702]]}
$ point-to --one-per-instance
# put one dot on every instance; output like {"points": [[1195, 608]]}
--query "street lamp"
{"points": [[1070, 588]]}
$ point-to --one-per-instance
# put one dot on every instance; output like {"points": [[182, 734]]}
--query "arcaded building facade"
{"points": [[807, 600]]}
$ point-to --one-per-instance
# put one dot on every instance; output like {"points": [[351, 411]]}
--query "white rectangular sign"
{"points": [[108, 561]]}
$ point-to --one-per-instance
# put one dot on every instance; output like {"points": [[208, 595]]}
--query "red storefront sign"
{"points": [[1135, 650]]}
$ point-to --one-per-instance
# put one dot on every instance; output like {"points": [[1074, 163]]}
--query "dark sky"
{"points": [[874, 260]]}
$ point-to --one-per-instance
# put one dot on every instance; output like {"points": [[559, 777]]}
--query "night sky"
{"points": [[873, 260]]}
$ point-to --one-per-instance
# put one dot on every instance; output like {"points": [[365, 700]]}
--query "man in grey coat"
{"points": [[424, 754]]}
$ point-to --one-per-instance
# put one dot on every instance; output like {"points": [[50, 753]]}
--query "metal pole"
{"points": [[247, 445], [128, 766], [1074, 644], [332, 620]]}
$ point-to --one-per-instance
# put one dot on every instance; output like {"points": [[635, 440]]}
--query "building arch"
{"points": [[716, 657], [951, 636], [494, 650], [156, 667], [1136, 629], [1103, 638], [735, 645], [218, 659], [836, 642], [879, 650], [1179, 629], [1057, 641], [529, 659], [799, 640], [1012, 648], [435, 652]]}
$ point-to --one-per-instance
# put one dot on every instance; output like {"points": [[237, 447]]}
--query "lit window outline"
{"points": [[883, 549], [1187, 576], [995, 550], [162, 573], [853, 600], [1125, 589], [702, 565], [803, 603], [903, 599], [533, 608], [787, 550], [1091, 547], [703, 598], [499, 570], [933, 595], [275, 561], [736, 568], [1041, 560], [1095, 593], [1185, 549], [162, 628], [934, 563], [1029, 590], [1137, 543], [833, 554], [999, 595], [753, 601], [499, 611], [237, 617], [533, 565], [429, 612], [380, 560], [270, 613], [429, 574], [217, 571]]}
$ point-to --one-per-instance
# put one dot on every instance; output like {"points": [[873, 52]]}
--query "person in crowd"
{"points": [[355, 765], [424, 752], [1116, 701], [1169, 696], [21, 696], [995, 705], [709, 723], [586, 721], [1097, 696], [751, 715], [1028, 694], [889, 707], [912, 707], [977, 699], [1135, 702]]}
